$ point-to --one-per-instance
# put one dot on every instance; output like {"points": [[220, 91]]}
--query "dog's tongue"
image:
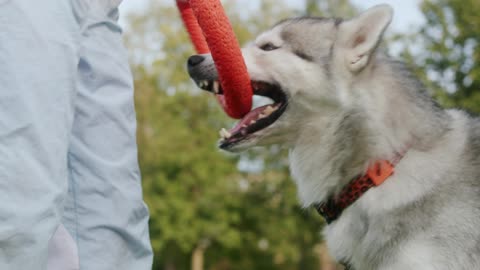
{"points": [[247, 119], [222, 101]]}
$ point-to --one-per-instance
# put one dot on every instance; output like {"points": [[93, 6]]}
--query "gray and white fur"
{"points": [[349, 105]]}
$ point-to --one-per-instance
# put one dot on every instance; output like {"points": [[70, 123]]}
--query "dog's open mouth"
{"points": [[258, 118]]}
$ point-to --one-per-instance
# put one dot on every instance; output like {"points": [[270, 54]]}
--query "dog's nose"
{"points": [[195, 60]]}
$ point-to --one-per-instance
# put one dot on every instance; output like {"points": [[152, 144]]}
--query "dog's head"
{"points": [[306, 66]]}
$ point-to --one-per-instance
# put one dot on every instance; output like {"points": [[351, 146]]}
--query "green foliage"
{"points": [[179, 168], [336, 8], [448, 61]]}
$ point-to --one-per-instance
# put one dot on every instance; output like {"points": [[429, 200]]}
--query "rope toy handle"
{"points": [[210, 30]]}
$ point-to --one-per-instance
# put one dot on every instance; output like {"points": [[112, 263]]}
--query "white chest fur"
{"points": [[360, 235]]}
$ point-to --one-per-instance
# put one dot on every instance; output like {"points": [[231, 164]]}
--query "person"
{"points": [[70, 188]]}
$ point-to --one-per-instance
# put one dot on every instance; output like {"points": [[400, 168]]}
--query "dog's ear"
{"points": [[361, 35]]}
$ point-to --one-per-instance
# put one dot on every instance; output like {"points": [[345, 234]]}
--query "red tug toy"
{"points": [[210, 31]]}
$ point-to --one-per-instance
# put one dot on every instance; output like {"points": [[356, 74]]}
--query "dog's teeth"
{"points": [[202, 83], [252, 122], [265, 113], [216, 87], [208, 85], [269, 110], [225, 134]]}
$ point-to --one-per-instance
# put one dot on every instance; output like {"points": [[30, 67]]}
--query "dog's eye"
{"points": [[268, 47]]}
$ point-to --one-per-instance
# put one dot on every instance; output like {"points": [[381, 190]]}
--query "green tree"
{"points": [[335, 8], [449, 51], [184, 179]]}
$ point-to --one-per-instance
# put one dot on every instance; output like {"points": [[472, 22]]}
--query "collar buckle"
{"points": [[380, 171]]}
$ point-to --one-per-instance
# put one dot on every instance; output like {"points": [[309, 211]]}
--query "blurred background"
{"points": [[216, 211]]}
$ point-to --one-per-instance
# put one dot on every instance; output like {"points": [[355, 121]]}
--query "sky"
{"points": [[407, 13]]}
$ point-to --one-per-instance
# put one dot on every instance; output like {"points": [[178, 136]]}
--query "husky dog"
{"points": [[339, 106]]}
